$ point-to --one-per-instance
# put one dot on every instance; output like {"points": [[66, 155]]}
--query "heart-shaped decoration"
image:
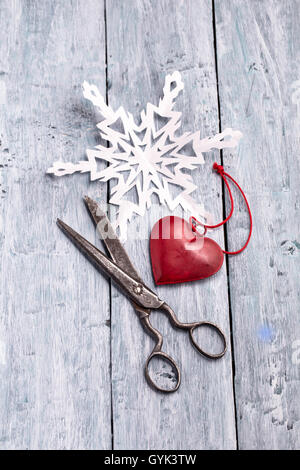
{"points": [[180, 254]]}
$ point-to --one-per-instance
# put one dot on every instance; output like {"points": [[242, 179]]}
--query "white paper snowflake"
{"points": [[150, 153]]}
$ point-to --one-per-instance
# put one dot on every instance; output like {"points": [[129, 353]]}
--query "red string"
{"points": [[220, 170]]}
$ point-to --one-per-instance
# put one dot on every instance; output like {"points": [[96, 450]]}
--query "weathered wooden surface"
{"points": [[258, 46], [188, 418], [67, 380], [55, 346]]}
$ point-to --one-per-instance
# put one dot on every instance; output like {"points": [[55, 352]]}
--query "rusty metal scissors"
{"points": [[143, 299]]}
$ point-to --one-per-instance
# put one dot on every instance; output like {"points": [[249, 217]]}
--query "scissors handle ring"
{"points": [[165, 357], [214, 327], [191, 327], [157, 352]]}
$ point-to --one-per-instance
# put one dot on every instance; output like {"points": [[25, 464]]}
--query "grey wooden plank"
{"points": [[258, 46], [55, 345], [147, 40]]}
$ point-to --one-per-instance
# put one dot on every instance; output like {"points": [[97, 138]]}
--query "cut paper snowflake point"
{"points": [[147, 157]]}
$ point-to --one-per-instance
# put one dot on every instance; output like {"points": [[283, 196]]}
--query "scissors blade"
{"points": [[135, 290], [110, 239]]}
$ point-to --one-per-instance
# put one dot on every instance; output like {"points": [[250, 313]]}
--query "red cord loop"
{"points": [[194, 222], [218, 168]]}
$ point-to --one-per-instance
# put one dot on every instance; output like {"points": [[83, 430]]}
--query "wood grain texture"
{"points": [[145, 41], [258, 46], [54, 343]]}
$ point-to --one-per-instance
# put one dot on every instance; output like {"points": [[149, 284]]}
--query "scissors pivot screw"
{"points": [[138, 289]]}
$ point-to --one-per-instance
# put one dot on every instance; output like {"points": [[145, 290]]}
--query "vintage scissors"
{"points": [[143, 299]]}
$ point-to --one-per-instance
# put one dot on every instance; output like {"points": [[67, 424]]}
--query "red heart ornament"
{"points": [[180, 254]]}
